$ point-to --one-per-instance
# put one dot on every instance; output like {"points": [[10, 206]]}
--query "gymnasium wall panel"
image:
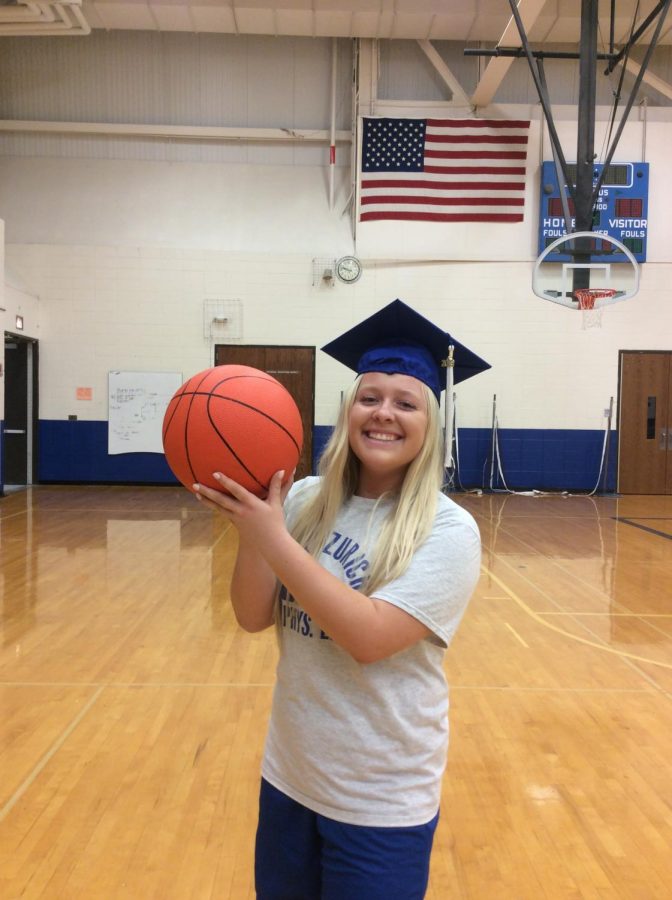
{"points": [[177, 79]]}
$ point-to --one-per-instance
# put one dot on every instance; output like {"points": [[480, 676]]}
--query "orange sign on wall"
{"points": [[84, 393]]}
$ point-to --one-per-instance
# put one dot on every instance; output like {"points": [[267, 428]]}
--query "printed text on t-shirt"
{"points": [[346, 551]]}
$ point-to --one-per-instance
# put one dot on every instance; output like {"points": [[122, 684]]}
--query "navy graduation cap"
{"points": [[400, 341]]}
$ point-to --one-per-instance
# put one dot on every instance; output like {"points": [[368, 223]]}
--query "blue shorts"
{"points": [[301, 855]]}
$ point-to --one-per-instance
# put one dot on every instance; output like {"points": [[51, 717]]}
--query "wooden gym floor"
{"points": [[133, 710]]}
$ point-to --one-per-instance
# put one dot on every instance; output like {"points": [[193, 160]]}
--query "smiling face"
{"points": [[386, 428]]}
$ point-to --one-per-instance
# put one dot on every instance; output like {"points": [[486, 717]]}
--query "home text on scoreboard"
{"points": [[621, 210]]}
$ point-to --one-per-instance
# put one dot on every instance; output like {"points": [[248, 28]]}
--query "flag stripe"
{"points": [[475, 154], [452, 209], [400, 215], [442, 185], [476, 170], [445, 201], [476, 167], [479, 123], [475, 138]]}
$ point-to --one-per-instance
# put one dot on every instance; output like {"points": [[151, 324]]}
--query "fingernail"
{"points": [[217, 475], [196, 487]]}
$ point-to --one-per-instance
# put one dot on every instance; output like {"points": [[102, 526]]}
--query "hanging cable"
{"points": [[605, 445], [599, 474], [456, 470], [496, 463]]}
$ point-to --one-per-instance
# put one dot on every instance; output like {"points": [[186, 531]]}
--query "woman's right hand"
{"points": [[254, 518]]}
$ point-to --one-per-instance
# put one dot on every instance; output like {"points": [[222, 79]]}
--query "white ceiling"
{"points": [[552, 21], [458, 20]]}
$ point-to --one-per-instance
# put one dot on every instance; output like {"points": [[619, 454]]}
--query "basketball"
{"points": [[236, 420]]}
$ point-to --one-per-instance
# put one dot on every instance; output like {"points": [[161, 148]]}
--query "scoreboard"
{"points": [[621, 210]]}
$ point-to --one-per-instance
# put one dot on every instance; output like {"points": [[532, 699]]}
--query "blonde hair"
{"points": [[411, 516]]}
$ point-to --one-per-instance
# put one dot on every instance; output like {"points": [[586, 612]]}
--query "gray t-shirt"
{"points": [[367, 744]]}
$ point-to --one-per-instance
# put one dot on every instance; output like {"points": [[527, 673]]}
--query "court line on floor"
{"points": [[51, 752], [140, 684], [628, 521], [21, 512], [573, 575], [625, 615], [453, 687], [575, 637], [522, 689], [516, 635], [552, 561]]}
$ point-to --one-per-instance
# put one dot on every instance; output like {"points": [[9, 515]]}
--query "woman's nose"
{"points": [[384, 410]]}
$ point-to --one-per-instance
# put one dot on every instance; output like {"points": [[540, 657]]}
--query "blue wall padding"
{"points": [[77, 452], [543, 459]]}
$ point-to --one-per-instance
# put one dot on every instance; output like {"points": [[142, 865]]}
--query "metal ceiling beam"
{"points": [[456, 89], [635, 36], [497, 68], [175, 132], [663, 87]]}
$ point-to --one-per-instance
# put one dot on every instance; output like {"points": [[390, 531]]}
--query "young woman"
{"points": [[366, 571]]}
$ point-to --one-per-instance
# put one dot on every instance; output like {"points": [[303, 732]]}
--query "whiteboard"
{"points": [[137, 405]]}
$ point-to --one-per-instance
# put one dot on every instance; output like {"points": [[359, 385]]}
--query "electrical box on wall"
{"points": [[621, 210]]}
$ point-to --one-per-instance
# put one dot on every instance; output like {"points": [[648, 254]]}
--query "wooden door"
{"points": [[294, 367], [645, 423]]}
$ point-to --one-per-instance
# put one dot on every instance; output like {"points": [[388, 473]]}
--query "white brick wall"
{"points": [[103, 310]]}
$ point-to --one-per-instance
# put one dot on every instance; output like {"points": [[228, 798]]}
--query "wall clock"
{"points": [[348, 269]]}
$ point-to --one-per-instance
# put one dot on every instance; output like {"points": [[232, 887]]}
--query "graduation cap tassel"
{"points": [[449, 407]]}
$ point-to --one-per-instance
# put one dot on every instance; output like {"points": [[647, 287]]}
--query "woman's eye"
{"points": [[368, 399], [404, 404]]}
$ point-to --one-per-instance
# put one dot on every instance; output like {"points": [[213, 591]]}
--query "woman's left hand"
{"points": [[254, 518]]}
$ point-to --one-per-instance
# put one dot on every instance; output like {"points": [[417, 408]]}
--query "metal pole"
{"points": [[559, 174], [545, 105], [494, 441], [450, 408], [660, 9], [605, 470], [585, 146], [644, 65], [332, 129]]}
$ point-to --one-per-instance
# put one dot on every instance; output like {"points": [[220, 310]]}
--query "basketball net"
{"points": [[591, 317]]}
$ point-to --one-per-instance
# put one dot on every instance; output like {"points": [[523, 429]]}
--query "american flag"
{"points": [[443, 170]]}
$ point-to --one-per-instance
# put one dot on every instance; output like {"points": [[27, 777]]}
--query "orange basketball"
{"points": [[236, 420]]}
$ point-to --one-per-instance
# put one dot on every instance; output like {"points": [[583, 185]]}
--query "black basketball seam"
{"points": [[194, 477], [229, 447], [186, 427], [176, 396], [247, 406]]}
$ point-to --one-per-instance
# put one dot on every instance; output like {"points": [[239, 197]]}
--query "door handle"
{"points": [[15, 431]]}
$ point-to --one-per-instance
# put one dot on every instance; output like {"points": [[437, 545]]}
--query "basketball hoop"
{"points": [[586, 297], [555, 282]]}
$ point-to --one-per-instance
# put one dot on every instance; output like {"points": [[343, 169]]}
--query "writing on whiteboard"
{"points": [[137, 405]]}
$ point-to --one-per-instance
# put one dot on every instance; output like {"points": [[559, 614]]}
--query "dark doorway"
{"points": [[21, 410], [294, 367], [645, 422]]}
